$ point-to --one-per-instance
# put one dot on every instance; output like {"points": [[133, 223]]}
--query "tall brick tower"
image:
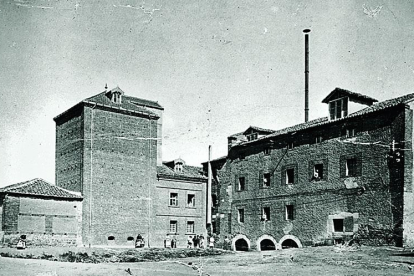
{"points": [[108, 147]]}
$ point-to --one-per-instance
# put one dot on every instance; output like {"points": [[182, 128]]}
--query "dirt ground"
{"points": [[304, 261]]}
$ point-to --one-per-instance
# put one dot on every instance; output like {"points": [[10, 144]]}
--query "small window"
{"points": [[267, 151], [317, 172], [173, 199], [350, 132], [265, 213], [190, 200], [111, 238], [241, 184], [289, 212], [338, 108], [190, 227], [251, 137], [178, 167], [290, 145], [290, 176], [318, 139], [266, 180], [338, 225], [351, 167], [173, 226], [240, 215]]}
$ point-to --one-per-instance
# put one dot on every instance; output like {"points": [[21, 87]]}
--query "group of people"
{"points": [[170, 242], [197, 241]]}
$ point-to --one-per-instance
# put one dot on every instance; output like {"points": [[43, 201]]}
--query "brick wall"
{"points": [[163, 212], [43, 221], [376, 193], [124, 154]]}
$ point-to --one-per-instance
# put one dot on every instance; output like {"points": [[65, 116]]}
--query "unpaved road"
{"points": [[305, 261]]}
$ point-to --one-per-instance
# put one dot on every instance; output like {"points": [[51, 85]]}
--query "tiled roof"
{"points": [[131, 104], [324, 120], [102, 99], [39, 187], [188, 172], [259, 129], [343, 92]]}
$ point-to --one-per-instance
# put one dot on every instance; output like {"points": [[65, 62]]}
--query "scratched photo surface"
{"points": [[206, 137]]}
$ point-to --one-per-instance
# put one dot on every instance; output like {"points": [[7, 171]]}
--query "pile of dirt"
{"points": [[122, 256]]}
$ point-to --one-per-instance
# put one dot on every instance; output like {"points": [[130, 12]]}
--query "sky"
{"points": [[217, 67]]}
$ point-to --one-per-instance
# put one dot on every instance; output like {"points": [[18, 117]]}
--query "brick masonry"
{"points": [[375, 197], [43, 221]]}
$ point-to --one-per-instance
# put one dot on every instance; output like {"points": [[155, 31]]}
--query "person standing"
{"points": [[211, 244], [190, 242], [201, 241]]}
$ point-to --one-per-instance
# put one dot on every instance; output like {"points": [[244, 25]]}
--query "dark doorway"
{"points": [[289, 244], [266, 245], [241, 245]]}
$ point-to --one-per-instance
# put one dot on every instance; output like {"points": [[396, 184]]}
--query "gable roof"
{"points": [[258, 129], [41, 188], [324, 120], [188, 173], [356, 97]]}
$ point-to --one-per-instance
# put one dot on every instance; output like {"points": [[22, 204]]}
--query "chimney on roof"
{"points": [[306, 31], [106, 87]]}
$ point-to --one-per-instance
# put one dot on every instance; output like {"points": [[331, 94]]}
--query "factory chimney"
{"points": [[306, 31]]}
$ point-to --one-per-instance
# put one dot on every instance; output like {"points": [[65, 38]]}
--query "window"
{"points": [[351, 167], [338, 108], [318, 139], [338, 225], [290, 145], [350, 132], [251, 137], [290, 176], [173, 199], [178, 167], [190, 200], [266, 180], [267, 151], [190, 227], [240, 215], [241, 184], [317, 172], [173, 226], [265, 213], [289, 212]]}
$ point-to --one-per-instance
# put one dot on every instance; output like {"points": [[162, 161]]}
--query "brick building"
{"points": [[108, 148], [321, 181], [41, 213]]}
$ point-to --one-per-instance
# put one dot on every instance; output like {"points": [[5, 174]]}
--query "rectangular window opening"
{"points": [[338, 225], [190, 227], [318, 139], [241, 215], [317, 172], [350, 132], [241, 184], [290, 145], [265, 213], [173, 226], [267, 151], [289, 212], [351, 167], [266, 180], [173, 199], [290, 176], [190, 200]]}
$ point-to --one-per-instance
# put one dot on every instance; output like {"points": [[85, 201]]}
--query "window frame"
{"points": [[358, 166], [173, 224], [284, 178], [191, 224], [238, 183], [289, 211], [240, 215], [266, 213], [175, 200], [193, 201]]}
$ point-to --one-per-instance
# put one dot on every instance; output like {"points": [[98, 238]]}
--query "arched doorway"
{"points": [[266, 245], [290, 241], [241, 245], [289, 244]]}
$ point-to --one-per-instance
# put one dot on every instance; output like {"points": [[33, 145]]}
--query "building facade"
{"points": [[40, 213], [328, 180], [108, 148]]}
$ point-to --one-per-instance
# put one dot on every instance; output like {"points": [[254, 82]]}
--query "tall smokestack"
{"points": [[306, 31]]}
